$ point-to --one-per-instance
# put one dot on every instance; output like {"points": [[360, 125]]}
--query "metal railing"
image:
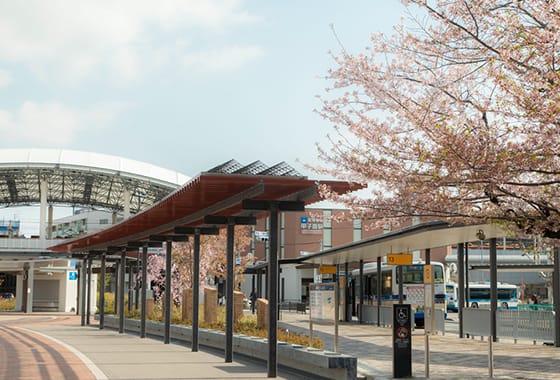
{"points": [[535, 325], [386, 316], [525, 324], [369, 315]]}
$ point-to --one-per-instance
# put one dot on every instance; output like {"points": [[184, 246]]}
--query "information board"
{"points": [[399, 259], [322, 301]]}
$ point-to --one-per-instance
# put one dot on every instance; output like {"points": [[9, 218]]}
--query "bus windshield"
{"points": [[414, 274]]}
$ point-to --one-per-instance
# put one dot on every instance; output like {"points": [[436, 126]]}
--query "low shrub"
{"points": [[247, 325], [8, 304]]}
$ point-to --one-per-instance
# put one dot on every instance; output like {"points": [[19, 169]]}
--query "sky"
{"points": [[182, 84]]}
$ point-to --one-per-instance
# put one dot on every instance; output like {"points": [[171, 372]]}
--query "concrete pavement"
{"points": [[450, 357], [44, 346]]}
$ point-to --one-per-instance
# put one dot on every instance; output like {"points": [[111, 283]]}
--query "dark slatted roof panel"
{"points": [[256, 168], [227, 167], [281, 169], [253, 168]]}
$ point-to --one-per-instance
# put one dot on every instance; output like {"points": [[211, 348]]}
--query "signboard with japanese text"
{"points": [[311, 225], [327, 269], [428, 274], [322, 301]]}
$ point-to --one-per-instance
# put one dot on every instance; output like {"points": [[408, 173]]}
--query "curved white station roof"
{"points": [[63, 158], [83, 178]]}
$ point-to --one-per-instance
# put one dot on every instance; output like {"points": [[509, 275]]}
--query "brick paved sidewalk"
{"points": [[25, 354], [57, 347]]}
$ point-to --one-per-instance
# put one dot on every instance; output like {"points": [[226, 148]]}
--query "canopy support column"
{"points": [[461, 284], [120, 287], [196, 275], [83, 291], [196, 290], [102, 291], [144, 290], [493, 288], [556, 296], [130, 289], [273, 207], [229, 290], [361, 306], [231, 222], [379, 291], [88, 298], [168, 239], [168, 291]]}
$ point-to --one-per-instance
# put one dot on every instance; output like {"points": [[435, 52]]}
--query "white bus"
{"points": [[479, 295], [452, 296], [413, 287]]}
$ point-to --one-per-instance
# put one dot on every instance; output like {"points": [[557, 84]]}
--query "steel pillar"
{"points": [[144, 290], [88, 298], [102, 292], [196, 289], [461, 284], [229, 290], [122, 268], [168, 291], [273, 292], [493, 288]]}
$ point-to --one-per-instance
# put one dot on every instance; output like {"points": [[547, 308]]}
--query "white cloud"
{"points": [[69, 39], [52, 124], [226, 59]]}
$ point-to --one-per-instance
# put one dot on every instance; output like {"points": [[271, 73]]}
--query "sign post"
{"points": [[402, 341], [429, 313]]}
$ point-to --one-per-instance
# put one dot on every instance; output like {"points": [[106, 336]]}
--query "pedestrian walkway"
{"points": [[43, 346], [56, 346], [450, 357]]}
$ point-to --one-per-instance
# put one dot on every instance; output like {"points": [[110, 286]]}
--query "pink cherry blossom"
{"points": [[456, 118]]}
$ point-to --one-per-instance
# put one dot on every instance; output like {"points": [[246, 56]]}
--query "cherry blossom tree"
{"points": [[212, 262], [156, 277], [455, 116], [216, 248]]}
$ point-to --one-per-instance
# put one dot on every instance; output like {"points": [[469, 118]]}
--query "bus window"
{"points": [[438, 275], [413, 274]]}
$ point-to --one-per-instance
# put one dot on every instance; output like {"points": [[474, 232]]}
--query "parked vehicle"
{"points": [[479, 295], [451, 296], [413, 286]]}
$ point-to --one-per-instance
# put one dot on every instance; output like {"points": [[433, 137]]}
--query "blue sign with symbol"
{"points": [[304, 219], [72, 275]]}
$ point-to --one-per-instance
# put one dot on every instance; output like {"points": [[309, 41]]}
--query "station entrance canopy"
{"points": [[228, 194], [422, 236], [219, 191]]}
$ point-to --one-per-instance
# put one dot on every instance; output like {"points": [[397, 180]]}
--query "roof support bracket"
{"points": [[252, 204]]}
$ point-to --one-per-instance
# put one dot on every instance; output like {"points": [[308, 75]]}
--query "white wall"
{"points": [[292, 283], [69, 294]]}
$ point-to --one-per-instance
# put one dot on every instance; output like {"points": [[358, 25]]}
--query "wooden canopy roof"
{"points": [[210, 193]]}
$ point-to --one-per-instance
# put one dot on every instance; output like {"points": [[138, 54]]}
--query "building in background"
{"points": [[82, 222]]}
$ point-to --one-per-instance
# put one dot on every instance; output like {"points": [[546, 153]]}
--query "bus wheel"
{"points": [[474, 305], [505, 305]]}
